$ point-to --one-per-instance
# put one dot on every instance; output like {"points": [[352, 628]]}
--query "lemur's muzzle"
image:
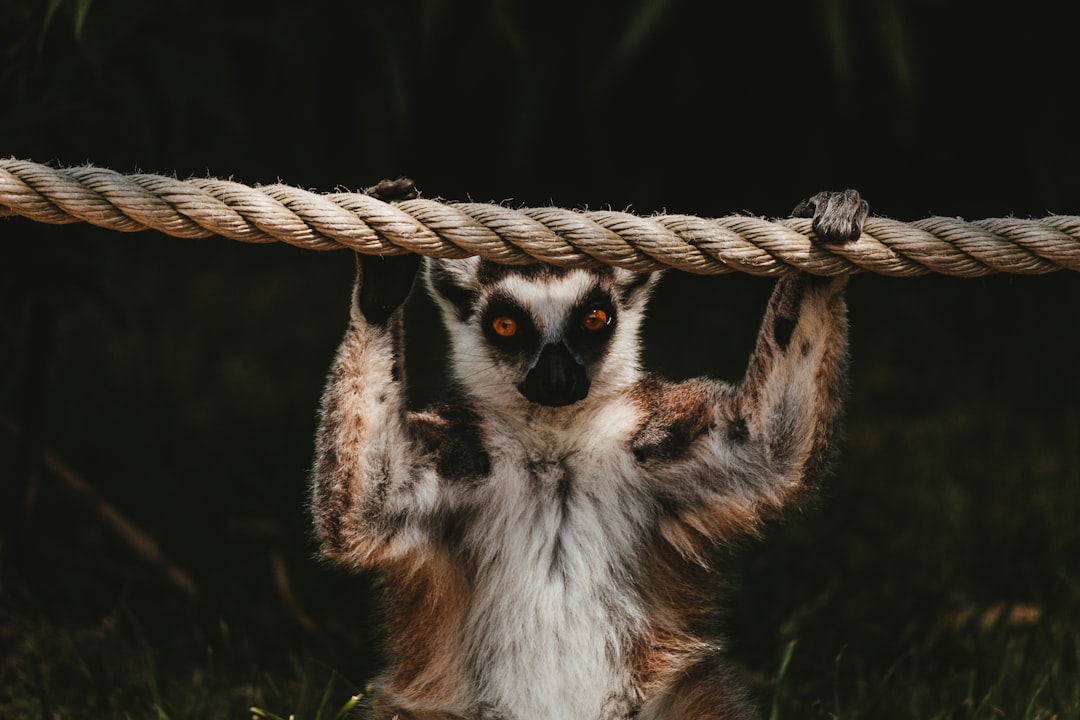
{"points": [[556, 379]]}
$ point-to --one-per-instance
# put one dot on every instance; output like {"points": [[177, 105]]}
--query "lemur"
{"points": [[543, 536]]}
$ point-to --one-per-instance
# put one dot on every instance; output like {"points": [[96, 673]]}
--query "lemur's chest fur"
{"points": [[549, 547]]}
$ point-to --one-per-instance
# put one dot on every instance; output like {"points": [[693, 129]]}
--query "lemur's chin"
{"points": [[554, 402], [560, 396]]}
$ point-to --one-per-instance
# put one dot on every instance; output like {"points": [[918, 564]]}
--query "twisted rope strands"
{"points": [[199, 208]]}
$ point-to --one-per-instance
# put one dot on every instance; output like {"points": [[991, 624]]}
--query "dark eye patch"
{"points": [[525, 339], [588, 344]]}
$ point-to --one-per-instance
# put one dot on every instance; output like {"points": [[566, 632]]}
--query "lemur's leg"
{"points": [[362, 479]]}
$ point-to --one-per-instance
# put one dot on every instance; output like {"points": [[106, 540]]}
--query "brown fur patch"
{"points": [[678, 594], [674, 416], [425, 600], [333, 476], [705, 692]]}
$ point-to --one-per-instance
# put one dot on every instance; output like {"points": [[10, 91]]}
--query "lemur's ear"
{"points": [[634, 287], [453, 284]]}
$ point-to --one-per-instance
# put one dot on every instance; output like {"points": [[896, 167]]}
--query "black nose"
{"points": [[556, 379]]}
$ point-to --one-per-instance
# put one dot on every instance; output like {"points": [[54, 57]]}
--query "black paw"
{"points": [[838, 216], [393, 190], [385, 284]]}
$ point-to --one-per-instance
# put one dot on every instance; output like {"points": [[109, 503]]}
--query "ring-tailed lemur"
{"points": [[543, 536]]}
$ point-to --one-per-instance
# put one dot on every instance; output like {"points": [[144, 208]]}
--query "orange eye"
{"points": [[595, 319], [504, 326]]}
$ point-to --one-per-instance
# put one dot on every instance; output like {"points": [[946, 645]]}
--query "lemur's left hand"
{"points": [[838, 216], [385, 282]]}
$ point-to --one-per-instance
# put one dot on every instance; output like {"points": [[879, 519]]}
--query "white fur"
{"points": [[554, 642], [549, 301]]}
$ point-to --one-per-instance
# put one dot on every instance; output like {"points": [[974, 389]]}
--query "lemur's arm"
{"points": [[374, 479], [746, 452]]}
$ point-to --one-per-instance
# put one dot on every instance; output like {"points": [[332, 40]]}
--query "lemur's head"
{"points": [[552, 335]]}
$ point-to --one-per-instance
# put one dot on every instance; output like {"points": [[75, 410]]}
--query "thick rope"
{"points": [[199, 208]]}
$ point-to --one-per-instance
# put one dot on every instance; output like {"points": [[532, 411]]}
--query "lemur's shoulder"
{"points": [[675, 415], [450, 431]]}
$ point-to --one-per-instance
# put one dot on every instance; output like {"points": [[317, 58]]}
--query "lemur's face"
{"points": [[546, 333]]}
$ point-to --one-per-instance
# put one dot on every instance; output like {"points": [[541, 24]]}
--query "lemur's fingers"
{"points": [[393, 190], [838, 216]]}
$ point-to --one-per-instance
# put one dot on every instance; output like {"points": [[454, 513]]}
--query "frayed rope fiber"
{"points": [[198, 207]]}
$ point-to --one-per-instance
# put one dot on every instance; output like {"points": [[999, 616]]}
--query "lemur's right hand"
{"points": [[385, 282], [838, 216]]}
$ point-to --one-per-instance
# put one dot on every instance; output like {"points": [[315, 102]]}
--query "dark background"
{"points": [[938, 576]]}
